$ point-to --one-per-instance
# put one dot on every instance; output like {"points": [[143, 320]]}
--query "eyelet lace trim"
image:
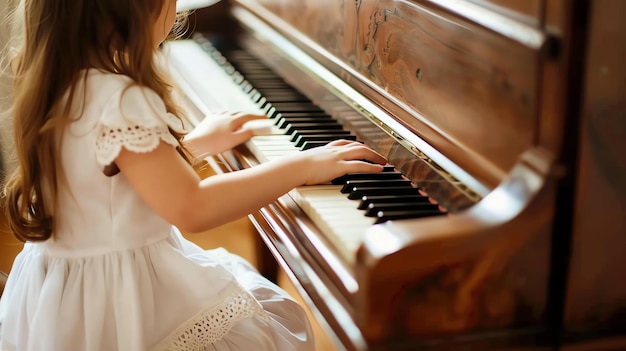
{"points": [[134, 138], [212, 325]]}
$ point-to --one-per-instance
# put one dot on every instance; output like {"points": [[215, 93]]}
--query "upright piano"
{"points": [[500, 222]]}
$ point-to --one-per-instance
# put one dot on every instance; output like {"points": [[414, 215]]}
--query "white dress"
{"points": [[115, 276]]}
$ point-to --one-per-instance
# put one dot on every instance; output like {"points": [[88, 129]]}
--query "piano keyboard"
{"points": [[343, 210]]}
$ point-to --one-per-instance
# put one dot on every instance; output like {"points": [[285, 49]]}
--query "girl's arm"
{"points": [[173, 189]]}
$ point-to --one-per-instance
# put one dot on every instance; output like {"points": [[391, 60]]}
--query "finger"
{"points": [[343, 142], [243, 113], [218, 112], [242, 135], [241, 119], [362, 152], [354, 166]]}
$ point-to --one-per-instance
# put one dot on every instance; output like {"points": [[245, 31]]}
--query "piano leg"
{"points": [[266, 263]]}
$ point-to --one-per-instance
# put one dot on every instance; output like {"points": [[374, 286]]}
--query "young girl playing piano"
{"points": [[103, 182]]}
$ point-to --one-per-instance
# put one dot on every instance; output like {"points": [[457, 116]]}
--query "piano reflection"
{"points": [[499, 223]]}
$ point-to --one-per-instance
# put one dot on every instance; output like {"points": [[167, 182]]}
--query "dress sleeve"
{"points": [[134, 118]]}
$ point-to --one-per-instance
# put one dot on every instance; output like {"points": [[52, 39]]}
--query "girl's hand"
{"points": [[219, 133], [196, 204], [325, 163]]}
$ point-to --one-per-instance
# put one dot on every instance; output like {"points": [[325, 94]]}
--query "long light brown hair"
{"points": [[60, 39]]}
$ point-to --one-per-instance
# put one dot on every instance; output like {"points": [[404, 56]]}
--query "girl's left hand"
{"points": [[219, 132]]}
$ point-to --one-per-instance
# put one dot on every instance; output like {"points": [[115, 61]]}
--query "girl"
{"points": [[103, 180]]}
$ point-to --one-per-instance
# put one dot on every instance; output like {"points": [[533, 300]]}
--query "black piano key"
{"points": [[290, 129], [283, 122], [271, 110], [358, 192], [311, 144], [249, 67], [288, 115], [255, 70], [303, 139], [390, 174], [350, 184], [382, 199], [279, 96], [299, 106], [266, 85], [284, 96], [242, 58], [306, 118], [383, 216], [245, 63], [389, 168], [263, 103], [259, 76], [249, 62], [296, 107], [284, 107], [373, 209], [323, 124], [273, 88], [294, 136]]}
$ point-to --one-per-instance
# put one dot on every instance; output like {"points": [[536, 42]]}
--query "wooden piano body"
{"points": [[509, 114]]}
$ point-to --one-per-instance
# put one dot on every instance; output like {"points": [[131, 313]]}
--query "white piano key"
{"points": [[202, 75], [337, 216]]}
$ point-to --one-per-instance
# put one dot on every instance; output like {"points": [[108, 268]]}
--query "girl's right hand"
{"points": [[325, 163], [173, 189]]}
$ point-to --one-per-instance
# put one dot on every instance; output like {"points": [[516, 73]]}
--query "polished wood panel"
{"points": [[530, 11], [596, 294], [435, 62]]}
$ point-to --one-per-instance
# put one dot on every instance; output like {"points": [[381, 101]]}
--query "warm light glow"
{"points": [[381, 241], [185, 5]]}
